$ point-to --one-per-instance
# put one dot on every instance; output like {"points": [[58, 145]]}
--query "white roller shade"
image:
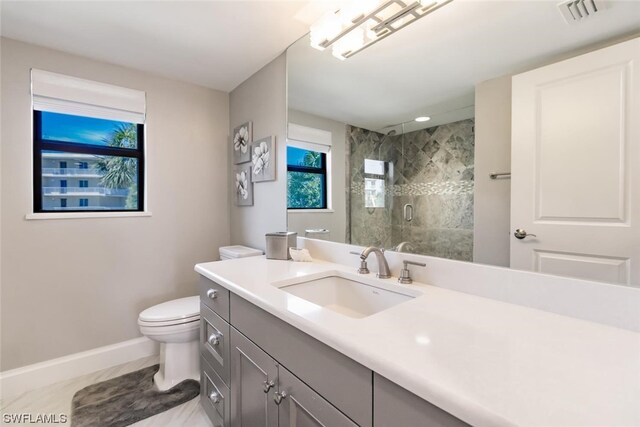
{"points": [[309, 138], [308, 146], [308, 134], [71, 95]]}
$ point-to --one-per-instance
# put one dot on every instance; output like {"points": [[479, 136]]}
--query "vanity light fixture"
{"points": [[360, 23], [422, 119]]}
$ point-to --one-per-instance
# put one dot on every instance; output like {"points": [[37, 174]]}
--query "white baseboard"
{"points": [[17, 381]]}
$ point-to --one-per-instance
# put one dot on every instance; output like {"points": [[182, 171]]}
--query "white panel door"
{"points": [[576, 166]]}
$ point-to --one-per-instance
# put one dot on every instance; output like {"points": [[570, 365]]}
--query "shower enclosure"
{"points": [[412, 191]]}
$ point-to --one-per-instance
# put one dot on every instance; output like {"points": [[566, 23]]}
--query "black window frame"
{"points": [[322, 171], [40, 145]]}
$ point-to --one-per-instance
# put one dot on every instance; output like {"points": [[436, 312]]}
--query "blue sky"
{"points": [[295, 155], [85, 130]]}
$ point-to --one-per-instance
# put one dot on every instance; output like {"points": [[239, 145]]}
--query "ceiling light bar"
{"points": [[360, 24]]}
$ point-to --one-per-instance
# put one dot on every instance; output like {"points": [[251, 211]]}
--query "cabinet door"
{"points": [[300, 406], [254, 379]]}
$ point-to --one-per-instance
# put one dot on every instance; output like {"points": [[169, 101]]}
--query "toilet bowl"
{"points": [[176, 326]]}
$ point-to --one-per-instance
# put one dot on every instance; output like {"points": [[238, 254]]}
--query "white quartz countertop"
{"points": [[486, 362]]}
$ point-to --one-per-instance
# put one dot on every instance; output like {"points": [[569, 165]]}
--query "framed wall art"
{"points": [[263, 159], [243, 185], [241, 143]]}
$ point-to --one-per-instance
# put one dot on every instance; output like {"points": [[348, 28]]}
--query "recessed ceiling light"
{"points": [[423, 119]]}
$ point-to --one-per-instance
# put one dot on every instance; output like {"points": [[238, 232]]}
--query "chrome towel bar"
{"points": [[500, 175]]}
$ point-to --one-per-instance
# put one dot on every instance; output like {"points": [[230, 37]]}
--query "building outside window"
{"points": [[88, 140], [306, 179]]}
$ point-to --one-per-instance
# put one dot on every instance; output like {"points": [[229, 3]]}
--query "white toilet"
{"points": [[176, 326]]}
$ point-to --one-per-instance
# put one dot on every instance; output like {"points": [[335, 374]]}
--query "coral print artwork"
{"points": [[263, 159], [243, 185], [241, 141]]}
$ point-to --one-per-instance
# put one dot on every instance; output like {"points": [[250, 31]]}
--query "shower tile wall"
{"points": [[432, 169]]}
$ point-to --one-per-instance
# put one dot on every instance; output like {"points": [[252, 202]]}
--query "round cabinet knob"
{"points": [[214, 396], [268, 385], [521, 233], [214, 339], [212, 294], [278, 396]]}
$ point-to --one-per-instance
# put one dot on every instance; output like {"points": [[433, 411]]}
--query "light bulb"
{"points": [[422, 119]]}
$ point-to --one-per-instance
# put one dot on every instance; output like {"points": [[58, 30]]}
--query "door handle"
{"points": [[408, 212], [521, 233]]}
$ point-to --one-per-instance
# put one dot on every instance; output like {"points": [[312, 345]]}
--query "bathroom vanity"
{"points": [[275, 353]]}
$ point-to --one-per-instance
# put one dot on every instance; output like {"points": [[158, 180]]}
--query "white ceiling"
{"points": [[431, 67], [217, 44]]}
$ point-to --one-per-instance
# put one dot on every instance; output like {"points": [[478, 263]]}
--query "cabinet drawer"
{"points": [[301, 406], [214, 396], [215, 297], [214, 342], [342, 381]]}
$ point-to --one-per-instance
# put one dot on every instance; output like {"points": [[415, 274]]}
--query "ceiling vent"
{"points": [[578, 10]]}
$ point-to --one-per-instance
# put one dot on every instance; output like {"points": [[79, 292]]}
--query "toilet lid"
{"points": [[177, 309]]}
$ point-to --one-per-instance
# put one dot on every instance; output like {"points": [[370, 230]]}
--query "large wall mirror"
{"points": [[498, 132]]}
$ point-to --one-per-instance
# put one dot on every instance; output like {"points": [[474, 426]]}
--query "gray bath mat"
{"points": [[127, 399]]}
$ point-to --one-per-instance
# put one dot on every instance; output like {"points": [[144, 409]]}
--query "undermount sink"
{"points": [[349, 296]]}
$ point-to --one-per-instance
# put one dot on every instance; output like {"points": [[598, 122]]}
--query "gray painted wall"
{"points": [[71, 285], [491, 230], [336, 221], [262, 99]]}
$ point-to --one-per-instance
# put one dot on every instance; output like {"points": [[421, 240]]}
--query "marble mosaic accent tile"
{"points": [[420, 188]]}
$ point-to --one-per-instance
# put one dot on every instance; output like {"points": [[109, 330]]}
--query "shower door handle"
{"points": [[408, 212]]}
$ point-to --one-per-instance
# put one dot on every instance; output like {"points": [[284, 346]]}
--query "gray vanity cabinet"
{"points": [[394, 406], [265, 394], [259, 371], [254, 380], [300, 406]]}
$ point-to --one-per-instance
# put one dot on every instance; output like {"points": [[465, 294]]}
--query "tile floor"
{"points": [[56, 399]]}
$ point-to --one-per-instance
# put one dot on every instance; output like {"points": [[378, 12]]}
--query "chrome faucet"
{"points": [[383, 267]]}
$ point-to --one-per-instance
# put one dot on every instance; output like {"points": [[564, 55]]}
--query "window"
{"points": [[306, 179], [88, 134], [110, 150]]}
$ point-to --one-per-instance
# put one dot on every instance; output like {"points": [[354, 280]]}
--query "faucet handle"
{"points": [[419, 264], [364, 269], [405, 274]]}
